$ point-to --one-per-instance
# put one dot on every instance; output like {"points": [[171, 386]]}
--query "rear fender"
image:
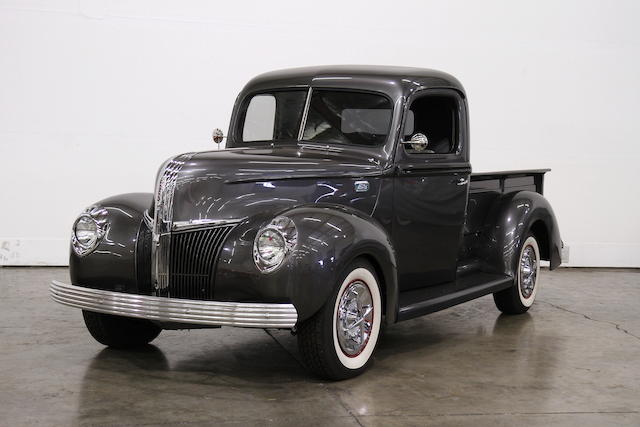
{"points": [[516, 214]]}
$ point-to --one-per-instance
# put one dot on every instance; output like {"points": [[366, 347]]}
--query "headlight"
{"points": [[88, 230], [273, 243]]}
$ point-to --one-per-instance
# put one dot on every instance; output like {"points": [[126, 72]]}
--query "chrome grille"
{"points": [[190, 259], [165, 188], [163, 215]]}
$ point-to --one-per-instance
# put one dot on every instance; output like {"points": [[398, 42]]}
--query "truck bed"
{"points": [[506, 181], [484, 190]]}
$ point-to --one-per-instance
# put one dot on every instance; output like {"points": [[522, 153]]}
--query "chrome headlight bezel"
{"points": [[281, 227], [98, 216]]}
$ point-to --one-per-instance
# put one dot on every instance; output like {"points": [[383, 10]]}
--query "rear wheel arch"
{"points": [[541, 232], [515, 215]]}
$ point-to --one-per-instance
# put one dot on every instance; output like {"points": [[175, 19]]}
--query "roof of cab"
{"points": [[377, 77]]}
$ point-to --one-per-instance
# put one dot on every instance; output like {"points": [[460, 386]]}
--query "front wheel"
{"points": [[118, 331], [518, 298], [338, 342]]}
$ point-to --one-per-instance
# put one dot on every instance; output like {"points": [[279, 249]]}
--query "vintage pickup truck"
{"points": [[344, 200]]}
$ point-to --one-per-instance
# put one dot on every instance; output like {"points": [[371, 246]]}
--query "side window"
{"points": [[260, 119], [273, 116], [432, 121]]}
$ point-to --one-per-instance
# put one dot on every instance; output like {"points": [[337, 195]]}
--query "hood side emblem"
{"points": [[361, 186]]}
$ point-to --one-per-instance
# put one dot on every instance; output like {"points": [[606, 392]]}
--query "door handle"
{"points": [[462, 181]]}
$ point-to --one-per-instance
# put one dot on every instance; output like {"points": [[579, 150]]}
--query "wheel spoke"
{"points": [[361, 318], [355, 316], [528, 271]]}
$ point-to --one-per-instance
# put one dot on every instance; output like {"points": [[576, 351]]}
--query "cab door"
{"points": [[431, 185]]}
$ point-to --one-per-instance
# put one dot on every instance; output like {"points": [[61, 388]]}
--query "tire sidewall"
{"points": [[365, 276], [343, 365], [528, 302]]}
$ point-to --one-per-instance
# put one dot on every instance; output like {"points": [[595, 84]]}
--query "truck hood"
{"points": [[239, 183], [237, 165]]}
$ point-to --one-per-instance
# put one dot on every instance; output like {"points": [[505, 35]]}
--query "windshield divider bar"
{"points": [[304, 115]]}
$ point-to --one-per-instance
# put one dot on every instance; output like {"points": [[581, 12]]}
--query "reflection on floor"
{"points": [[573, 360]]}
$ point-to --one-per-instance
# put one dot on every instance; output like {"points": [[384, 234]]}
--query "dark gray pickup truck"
{"points": [[344, 200]]}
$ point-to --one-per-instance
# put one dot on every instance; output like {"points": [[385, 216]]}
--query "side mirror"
{"points": [[419, 142], [217, 136]]}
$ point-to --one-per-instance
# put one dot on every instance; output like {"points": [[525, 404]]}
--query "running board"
{"points": [[426, 300]]}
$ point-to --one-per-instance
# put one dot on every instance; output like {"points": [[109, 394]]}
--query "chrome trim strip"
{"points": [[213, 313], [162, 219], [320, 147], [165, 187], [303, 122], [201, 223], [148, 221]]}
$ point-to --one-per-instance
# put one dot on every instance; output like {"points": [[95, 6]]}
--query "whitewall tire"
{"points": [[339, 341], [368, 328], [529, 271], [518, 298]]}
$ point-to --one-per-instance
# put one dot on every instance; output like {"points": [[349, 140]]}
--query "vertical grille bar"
{"points": [[215, 238], [191, 259], [195, 261]]}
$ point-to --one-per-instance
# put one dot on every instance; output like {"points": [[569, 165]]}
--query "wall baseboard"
{"points": [[604, 255], [55, 252]]}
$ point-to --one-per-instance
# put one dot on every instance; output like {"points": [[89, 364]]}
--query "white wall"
{"points": [[95, 94]]}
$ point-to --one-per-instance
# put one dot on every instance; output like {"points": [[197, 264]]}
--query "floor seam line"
{"points": [[284, 348], [617, 325], [325, 386], [344, 405], [491, 414]]}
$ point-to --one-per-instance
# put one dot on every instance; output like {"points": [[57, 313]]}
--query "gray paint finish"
{"points": [[459, 222], [571, 361]]}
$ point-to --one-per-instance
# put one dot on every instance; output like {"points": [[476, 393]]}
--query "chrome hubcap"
{"points": [[355, 318], [528, 271]]}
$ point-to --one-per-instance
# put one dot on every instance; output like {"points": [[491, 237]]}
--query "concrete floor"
{"points": [[573, 360]]}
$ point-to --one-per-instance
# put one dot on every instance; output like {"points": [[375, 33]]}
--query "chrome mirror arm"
{"points": [[418, 142], [413, 143]]}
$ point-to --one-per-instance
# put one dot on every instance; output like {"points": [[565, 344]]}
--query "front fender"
{"points": [[515, 215], [329, 238], [112, 265]]}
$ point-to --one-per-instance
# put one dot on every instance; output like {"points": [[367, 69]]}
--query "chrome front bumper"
{"points": [[213, 313]]}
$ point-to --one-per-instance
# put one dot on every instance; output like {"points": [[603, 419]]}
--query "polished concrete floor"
{"points": [[574, 359]]}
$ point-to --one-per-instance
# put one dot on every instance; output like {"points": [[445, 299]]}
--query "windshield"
{"points": [[333, 117]]}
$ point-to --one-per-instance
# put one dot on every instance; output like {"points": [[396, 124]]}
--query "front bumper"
{"points": [[213, 313]]}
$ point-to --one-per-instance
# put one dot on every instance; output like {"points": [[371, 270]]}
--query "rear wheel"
{"points": [[338, 342], [118, 331], [519, 297]]}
